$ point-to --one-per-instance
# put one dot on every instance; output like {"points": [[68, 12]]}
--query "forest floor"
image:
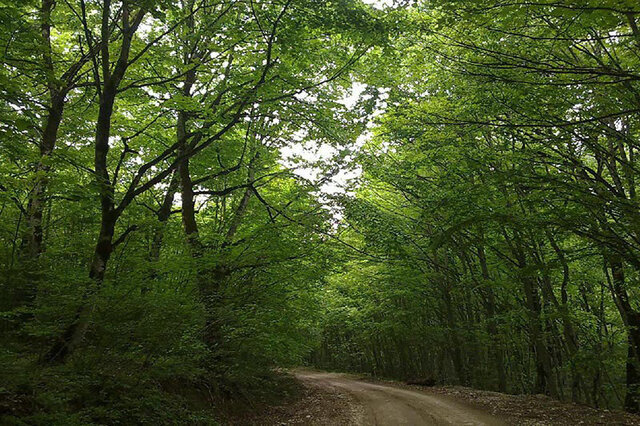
{"points": [[343, 399]]}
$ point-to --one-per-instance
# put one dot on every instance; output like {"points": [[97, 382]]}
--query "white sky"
{"points": [[380, 4], [311, 151]]}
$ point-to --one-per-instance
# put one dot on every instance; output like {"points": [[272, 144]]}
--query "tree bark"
{"points": [[631, 318], [34, 242], [497, 353], [104, 245], [545, 382], [163, 215], [75, 332], [568, 330]]}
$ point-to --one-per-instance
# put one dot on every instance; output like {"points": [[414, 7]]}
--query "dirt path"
{"points": [[387, 405]]}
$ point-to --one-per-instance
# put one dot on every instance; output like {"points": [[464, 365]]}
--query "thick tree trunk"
{"points": [[632, 398], [205, 282], [450, 319], [568, 329], [455, 344], [108, 89], [33, 242], [188, 209], [76, 331], [631, 319], [186, 185]]}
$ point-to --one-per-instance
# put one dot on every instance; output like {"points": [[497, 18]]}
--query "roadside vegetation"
{"points": [[196, 193]]}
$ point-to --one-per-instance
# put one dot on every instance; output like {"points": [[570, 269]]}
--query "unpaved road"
{"points": [[388, 405]]}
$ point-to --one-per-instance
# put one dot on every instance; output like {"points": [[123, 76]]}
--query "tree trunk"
{"points": [[497, 353], [33, 244], [545, 382], [631, 319], [188, 209], [107, 91], [163, 215], [568, 329], [545, 379], [75, 332], [244, 202]]}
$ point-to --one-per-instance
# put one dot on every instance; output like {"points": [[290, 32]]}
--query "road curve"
{"points": [[386, 405]]}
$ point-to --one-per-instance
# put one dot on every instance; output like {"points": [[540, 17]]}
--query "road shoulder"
{"points": [[525, 410], [315, 403]]}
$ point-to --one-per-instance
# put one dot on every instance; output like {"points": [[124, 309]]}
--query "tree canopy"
{"points": [[166, 222]]}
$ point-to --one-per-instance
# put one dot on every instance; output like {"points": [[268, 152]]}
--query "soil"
{"points": [[342, 399], [538, 410], [308, 405]]}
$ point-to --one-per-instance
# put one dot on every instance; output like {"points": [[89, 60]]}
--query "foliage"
{"points": [[124, 120], [497, 206], [159, 254]]}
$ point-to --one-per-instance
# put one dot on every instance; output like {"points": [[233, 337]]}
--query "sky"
{"points": [[379, 3], [310, 151]]}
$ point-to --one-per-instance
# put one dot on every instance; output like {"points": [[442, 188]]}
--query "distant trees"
{"points": [[499, 202]]}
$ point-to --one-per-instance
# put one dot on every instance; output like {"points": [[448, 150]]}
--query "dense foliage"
{"points": [[498, 206], [154, 248], [159, 252]]}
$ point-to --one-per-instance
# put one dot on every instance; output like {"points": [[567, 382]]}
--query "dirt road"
{"points": [[388, 405]]}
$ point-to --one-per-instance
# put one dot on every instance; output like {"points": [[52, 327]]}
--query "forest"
{"points": [[197, 195]]}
